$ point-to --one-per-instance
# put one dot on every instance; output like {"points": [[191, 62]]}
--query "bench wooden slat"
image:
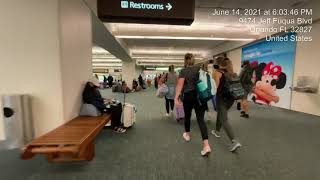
{"points": [[46, 150], [65, 133], [75, 137]]}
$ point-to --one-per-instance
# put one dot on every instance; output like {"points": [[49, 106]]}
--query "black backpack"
{"points": [[232, 87], [245, 78]]}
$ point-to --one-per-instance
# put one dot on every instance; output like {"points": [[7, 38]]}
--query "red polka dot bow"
{"points": [[273, 71]]}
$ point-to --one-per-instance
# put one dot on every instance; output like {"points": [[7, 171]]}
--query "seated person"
{"points": [[134, 84], [91, 95], [125, 88], [118, 87]]}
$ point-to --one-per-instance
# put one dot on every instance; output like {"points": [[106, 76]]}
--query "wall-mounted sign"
{"points": [[175, 12]]}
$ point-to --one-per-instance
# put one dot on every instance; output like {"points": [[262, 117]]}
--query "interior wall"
{"points": [[306, 64], [2, 133], [235, 57], [30, 58], [76, 53]]}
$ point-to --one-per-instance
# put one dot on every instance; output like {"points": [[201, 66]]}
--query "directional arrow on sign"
{"points": [[169, 6]]}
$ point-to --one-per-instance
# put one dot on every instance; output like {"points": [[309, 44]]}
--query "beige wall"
{"points": [[307, 63], [76, 53], [235, 57], [30, 58], [2, 133], [45, 51]]}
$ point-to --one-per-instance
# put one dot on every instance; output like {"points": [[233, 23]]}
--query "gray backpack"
{"points": [[233, 87]]}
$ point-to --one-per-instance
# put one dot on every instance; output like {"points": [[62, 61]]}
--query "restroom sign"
{"points": [[146, 6], [178, 12]]}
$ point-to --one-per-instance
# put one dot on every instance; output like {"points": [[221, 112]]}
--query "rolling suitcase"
{"points": [[129, 115]]}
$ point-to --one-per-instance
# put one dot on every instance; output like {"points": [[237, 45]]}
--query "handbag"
{"points": [[180, 112], [162, 91]]}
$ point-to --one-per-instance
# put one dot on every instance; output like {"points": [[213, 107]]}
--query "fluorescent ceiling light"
{"points": [[97, 67], [101, 56], [109, 67], [159, 57], [106, 60], [166, 69], [160, 64], [105, 64], [167, 51], [99, 50], [186, 38], [160, 61]]}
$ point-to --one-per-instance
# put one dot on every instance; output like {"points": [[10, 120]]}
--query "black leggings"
{"points": [[169, 103], [223, 105], [115, 110], [190, 102]]}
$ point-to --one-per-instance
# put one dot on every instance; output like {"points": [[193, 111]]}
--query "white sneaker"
{"points": [[205, 152], [215, 133], [186, 137], [234, 146], [167, 114]]}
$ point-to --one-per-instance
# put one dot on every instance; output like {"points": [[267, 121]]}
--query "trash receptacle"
{"points": [[17, 121]]}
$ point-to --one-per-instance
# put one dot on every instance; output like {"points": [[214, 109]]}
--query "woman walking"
{"points": [[171, 82], [224, 100], [186, 88]]}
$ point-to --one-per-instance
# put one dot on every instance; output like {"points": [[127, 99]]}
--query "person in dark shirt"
{"points": [[91, 95], [156, 82], [247, 84], [110, 80], [105, 81], [224, 102], [186, 88], [140, 79]]}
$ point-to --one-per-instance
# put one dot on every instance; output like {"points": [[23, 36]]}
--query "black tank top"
{"points": [[222, 81]]}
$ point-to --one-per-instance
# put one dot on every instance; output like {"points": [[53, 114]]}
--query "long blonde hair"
{"points": [[188, 60], [225, 64]]}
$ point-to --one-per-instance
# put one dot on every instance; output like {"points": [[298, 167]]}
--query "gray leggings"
{"points": [[223, 106]]}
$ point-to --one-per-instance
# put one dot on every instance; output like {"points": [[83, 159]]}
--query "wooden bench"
{"points": [[73, 141]]}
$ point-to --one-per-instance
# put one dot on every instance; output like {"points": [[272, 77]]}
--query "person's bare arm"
{"points": [[179, 87], [216, 76]]}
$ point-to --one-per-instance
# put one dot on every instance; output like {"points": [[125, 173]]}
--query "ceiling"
{"points": [[156, 44]]}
